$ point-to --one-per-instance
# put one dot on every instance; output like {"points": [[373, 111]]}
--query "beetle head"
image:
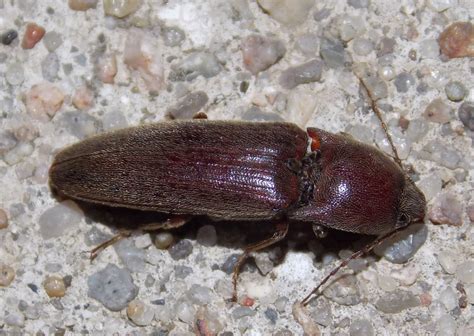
{"points": [[358, 188]]}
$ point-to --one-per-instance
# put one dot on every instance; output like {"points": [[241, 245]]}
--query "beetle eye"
{"points": [[403, 220]]}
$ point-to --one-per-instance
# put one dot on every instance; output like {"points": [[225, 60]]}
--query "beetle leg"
{"points": [[171, 223], [282, 230]]}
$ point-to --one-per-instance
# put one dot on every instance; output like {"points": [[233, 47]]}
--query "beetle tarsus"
{"points": [[282, 230], [118, 237]]}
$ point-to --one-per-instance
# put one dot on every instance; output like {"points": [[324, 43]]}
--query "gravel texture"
{"points": [[73, 69]]}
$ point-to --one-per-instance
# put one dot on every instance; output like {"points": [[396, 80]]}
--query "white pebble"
{"points": [[120, 8], [448, 297], [465, 272], [288, 12], [447, 260], [446, 325], [15, 74], [140, 313]]}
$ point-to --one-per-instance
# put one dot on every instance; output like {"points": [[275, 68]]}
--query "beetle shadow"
{"points": [[231, 234]]}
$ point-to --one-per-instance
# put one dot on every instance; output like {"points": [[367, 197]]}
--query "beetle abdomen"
{"points": [[226, 170]]}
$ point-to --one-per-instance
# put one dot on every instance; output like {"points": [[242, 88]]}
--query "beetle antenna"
{"points": [[377, 112], [366, 249]]}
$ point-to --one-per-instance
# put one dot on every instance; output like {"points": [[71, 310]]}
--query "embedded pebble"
{"points": [[141, 54], [7, 274], [320, 311], [106, 68], [386, 46], [173, 36], [229, 263], [185, 312], [447, 260], [441, 5], [163, 240], [466, 115], [200, 295], [470, 293], [140, 313], [429, 49], [439, 153], [386, 283], [181, 272], [83, 98], [50, 67], [113, 120], [455, 91], [54, 286], [272, 315], [7, 141], [182, 249], [281, 303], [33, 34], [196, 64], [400, 248], [397, 301], [362, 46], [430, 186], [14, 318], [446, 209], [446, 325], [256, 114], [9, 36], [3, 219], [320, 15], [242, 311], [79, 123], [52, 40], [361, 327], [121, 8], [287, 12], [82, 5], [344, 291], [465, 272], [260, 52], [358, 3], [113, 287], [132, 257], [15, 74], [207, 235], [62, 218], [302, 74], [333, 53], [448, 297], [44, 100], [264, 264], [350, 27], [18, 153], [437, 111], [404, 81], [308, 43], [457, 40], [189, 105]]}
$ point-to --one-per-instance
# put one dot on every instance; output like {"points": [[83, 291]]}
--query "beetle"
{"points": [[241, 171]]}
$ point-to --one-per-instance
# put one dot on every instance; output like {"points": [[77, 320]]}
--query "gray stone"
{"points": [[361, 327], [321, 312], [95, 237], [333, 53], [52, 40], [200, 295], [396, 302], [272, 315], [229, 263], [362, 46], [7, 141], [302, 74], [404, 81], [385, 46], [358, 3], [181, 272], [173, 36], [400, 248], [15, 74], [308, 43], [455, 91], [113, 120], [50, 67], [465, 114], [132, 257], [79, 123], [256, 114], [182, 249], [113, 287], [207, 235], [242, 311], [196, 64], [62, 218], [320, 15], [188, 106], [344, 291]]}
